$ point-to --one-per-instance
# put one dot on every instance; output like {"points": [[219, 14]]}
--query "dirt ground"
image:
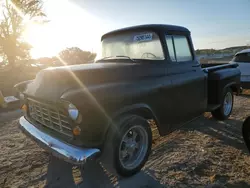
{"points": [[201, 153]]}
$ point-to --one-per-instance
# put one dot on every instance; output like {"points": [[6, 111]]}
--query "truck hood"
{"points": [[51, 83]]}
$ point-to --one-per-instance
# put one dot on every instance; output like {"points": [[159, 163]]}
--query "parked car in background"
{"points": [[243, 60]]}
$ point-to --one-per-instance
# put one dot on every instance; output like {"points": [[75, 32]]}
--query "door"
{"points": [[188, 81]]}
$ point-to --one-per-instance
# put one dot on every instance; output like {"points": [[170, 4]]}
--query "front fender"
{"points": [[20, 87], [141, 109]]}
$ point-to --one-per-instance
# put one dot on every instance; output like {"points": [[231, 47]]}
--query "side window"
{"points": [[178, 45], [170, 46]]}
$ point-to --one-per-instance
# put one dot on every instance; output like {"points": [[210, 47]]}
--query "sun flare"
{"points": [[38, 36], [76, 28]]}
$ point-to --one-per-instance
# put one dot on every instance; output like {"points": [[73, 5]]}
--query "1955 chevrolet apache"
{"points": [[101, 110]]}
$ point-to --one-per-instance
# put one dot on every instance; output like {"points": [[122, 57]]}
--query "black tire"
{"points": [[246, 132], [219, 113], [110, 157]]}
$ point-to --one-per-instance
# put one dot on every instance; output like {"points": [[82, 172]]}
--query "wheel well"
{"points": [[143, 112], [147, 114], [234, 88]]}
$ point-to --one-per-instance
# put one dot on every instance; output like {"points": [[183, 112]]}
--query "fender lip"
{"points": [[72, 154]]}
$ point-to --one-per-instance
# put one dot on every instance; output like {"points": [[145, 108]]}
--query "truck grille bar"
{"points": [[50, 117]]}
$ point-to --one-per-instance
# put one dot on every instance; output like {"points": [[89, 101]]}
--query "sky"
{"points": [[213, 24]]}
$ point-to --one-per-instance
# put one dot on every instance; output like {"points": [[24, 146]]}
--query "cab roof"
{"points": [[152, 27]]}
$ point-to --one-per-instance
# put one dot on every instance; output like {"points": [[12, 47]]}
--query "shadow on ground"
{"points": [[229, 132], [93, 175], [60, 175], [180, 161], [199, 155]]}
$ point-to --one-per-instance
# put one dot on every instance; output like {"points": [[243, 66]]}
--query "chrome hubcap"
{"points": [[133, 147], [228, 102]]}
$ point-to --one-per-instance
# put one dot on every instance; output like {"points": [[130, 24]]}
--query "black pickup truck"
{"points": [[102, 110]]}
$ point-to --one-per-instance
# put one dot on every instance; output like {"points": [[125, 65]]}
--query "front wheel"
{"points": [[226, 107], [128, 145]]}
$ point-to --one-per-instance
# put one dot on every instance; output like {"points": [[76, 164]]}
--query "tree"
{"points": [[12, 21], [49, 61], [75, 55]]}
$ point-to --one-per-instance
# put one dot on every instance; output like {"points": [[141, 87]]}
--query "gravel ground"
{"points": [[201, 153]]}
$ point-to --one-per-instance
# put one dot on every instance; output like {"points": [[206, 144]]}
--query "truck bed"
{"points": [[217, 66]]}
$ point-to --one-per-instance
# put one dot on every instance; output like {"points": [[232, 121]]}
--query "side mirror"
{"points": [[246, 132]]}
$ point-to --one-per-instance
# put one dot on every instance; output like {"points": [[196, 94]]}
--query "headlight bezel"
{"points": [[74, 113], [21, 96]]}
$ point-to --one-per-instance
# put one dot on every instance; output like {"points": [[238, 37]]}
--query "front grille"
{"points": [[50, 116]]}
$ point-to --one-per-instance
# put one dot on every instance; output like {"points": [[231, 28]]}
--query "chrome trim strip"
{"points": [[69, 153]]}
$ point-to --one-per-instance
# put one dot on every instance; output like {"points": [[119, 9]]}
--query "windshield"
{"points": [[134, 45]]}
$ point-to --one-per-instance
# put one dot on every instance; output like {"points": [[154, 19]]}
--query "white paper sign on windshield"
{"points": [[143, 37]]}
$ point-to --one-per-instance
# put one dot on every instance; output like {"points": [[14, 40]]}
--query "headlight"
{"points": [[74, 113]]}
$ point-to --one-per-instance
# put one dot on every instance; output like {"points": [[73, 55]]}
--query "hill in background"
{"points": [[229, 50], [226, 54]]}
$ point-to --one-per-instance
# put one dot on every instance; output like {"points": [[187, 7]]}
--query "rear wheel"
{"points": [[128, 145], [226, 107]]}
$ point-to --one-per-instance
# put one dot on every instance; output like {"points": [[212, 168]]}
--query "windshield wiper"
{"points": [[117, 56]]}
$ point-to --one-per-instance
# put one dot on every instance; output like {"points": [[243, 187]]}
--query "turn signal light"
{"points": [[24, 108], [77, 131]]}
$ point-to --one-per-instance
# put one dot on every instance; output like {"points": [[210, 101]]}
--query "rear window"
{"points": [[244, 58]]}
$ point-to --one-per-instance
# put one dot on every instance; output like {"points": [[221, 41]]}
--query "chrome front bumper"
{"points": [[67, 152]]}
